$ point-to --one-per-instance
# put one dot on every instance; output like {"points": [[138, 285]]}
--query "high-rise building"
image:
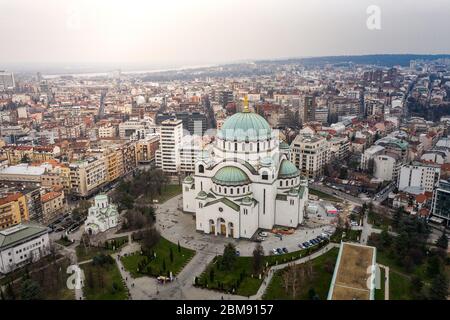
{"points": [[6, 80], [441, 202], [194, 122], [309, 109], [310, 154], [419, 175], [225, 97], [168, 155]]}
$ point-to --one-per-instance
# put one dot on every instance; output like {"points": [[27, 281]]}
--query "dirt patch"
{"points": [[353, 273]]}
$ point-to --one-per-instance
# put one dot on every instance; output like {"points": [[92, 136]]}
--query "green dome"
{"points": [[287, 170], [245, 126], [202, 195], [266, 162], [230, 176], [284, 145]]}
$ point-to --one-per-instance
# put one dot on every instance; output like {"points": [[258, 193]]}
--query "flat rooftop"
{"points": [[355, 265]]}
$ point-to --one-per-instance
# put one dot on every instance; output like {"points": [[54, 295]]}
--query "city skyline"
{"points": [[115, 34]]}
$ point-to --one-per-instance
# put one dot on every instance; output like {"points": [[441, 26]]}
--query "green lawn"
{"points": [[399, 286], [84, 254], [385, 259], [323, 195], [378, 220], [379, 293], [103, 282], [399, 278], [226, 280], [350, 235], [168, 192], [155, 266], [320, 281], [64, 242], [51, 279]]}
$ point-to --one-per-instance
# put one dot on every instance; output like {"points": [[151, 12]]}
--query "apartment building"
{"points": [[107, 131], [339, 147], [17, 153], [114, 164], [132, 128], [419, 175], [309, 154], [395, 145], [13, 209], [387, 166], [369, 154], [53, 204], [146, 149], [87, 176], [129, 156]]}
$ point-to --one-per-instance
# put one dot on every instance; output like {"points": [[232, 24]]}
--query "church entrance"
{"points": [[212, 227], [230, 229], [222, 226]]}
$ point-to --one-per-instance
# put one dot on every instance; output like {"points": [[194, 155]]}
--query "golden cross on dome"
{"points": [[246, 104]]}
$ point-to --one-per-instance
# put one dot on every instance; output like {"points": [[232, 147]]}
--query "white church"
{"points": [[102, 215], [246, 182]]}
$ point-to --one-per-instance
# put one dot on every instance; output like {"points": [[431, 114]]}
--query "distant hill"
{"points": [[387, 60]]}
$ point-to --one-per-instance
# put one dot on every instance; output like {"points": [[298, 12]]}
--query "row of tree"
{"points": [[409, 250]]}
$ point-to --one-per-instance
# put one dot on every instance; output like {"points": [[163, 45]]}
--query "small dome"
{"points": [[288, 170], [230, 176], [202, 194], [188, 179], [247, 200], [245, 126], [266, 162], [284, 145]]}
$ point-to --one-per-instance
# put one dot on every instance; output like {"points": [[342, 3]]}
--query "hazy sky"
{"points": [[187, 32]]}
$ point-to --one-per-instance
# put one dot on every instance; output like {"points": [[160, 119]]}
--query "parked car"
{"points": [[301, 246], [280, 251], [306, 244], [274, 251], [238, 253], [263, 234], [285, 250]]}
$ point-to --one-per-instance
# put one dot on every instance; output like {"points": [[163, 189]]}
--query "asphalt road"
{"points": [[336, 193]]}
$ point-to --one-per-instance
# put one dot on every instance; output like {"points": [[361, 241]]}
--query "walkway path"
{"points": [[386, 281]]}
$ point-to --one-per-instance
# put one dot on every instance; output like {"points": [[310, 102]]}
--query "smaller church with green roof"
{"points": [[246, 183]]}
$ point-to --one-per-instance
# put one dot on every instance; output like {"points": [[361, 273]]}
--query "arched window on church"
{"points": [[201, 169]]}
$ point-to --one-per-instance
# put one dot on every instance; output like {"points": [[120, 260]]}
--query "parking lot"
{"points": [[66, 223]]}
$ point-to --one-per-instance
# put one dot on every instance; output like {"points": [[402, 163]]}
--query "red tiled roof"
{"points": [[50, 196], [421, 198], [10, 198]]}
